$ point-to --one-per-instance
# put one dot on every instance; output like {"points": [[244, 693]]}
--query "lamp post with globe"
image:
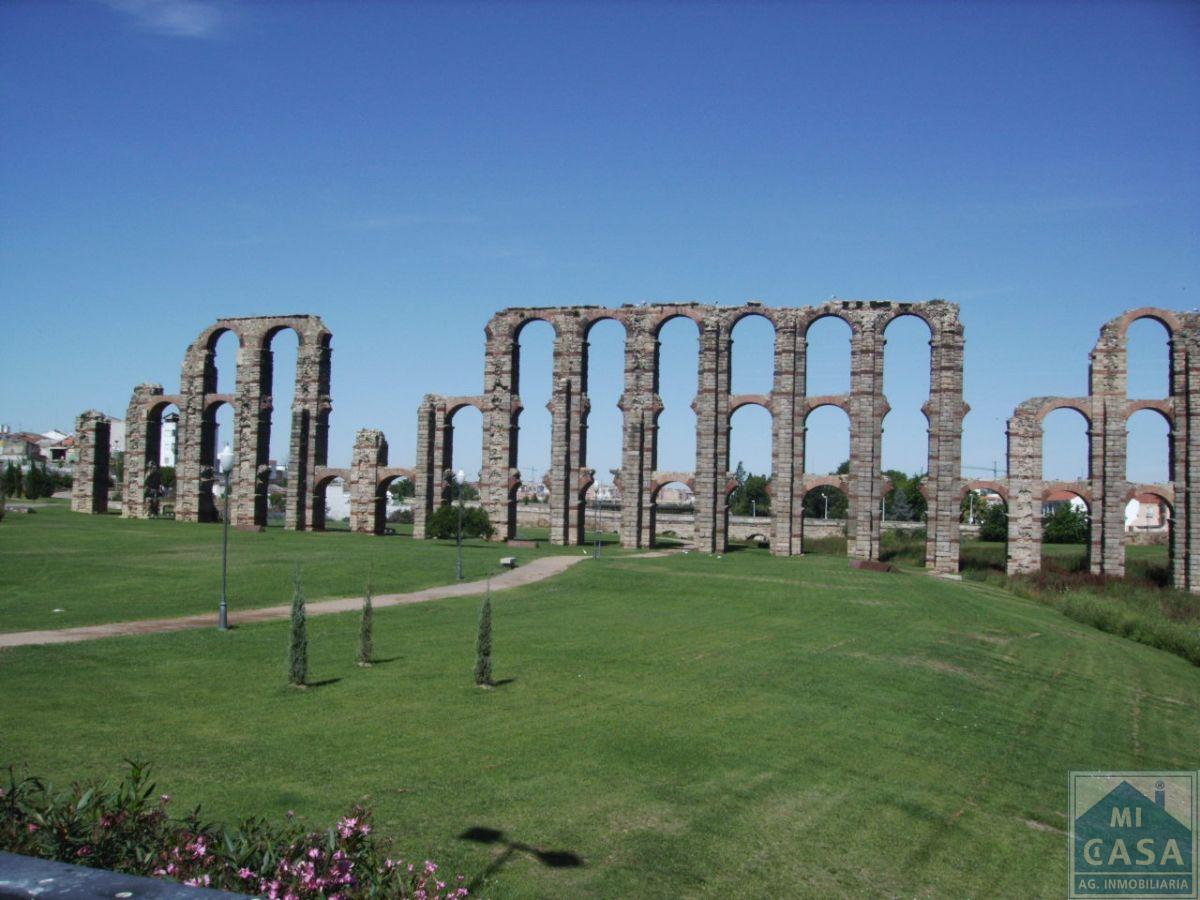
{"points": [[225, 458], [459, 478]]}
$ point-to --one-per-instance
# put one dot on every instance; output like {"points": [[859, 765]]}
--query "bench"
{"points": [[509, 562]]}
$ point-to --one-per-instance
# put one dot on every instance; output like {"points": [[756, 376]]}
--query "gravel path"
{"points": [[538, 569]]}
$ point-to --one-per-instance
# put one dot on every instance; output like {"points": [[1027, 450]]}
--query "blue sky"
{"points": [[404, 170]]}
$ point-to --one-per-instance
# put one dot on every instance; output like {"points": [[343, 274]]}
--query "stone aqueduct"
{"points": [[1106, 409]]}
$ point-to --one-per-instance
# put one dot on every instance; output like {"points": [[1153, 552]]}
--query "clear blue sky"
{"points": [[405, 170]]}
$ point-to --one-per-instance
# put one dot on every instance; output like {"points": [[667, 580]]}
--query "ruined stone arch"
{"points": [[1167, 318], [1162, 491], [738, 401], [1080, 489], [808, 318], [999, 487], [253, 406], [840, 401], [1164, 408], [663, 315], [1047, 405]]}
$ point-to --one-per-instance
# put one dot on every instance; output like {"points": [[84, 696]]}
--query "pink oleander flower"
{"points": [[84, 851], [31, 828], [430, 867], [314, 853], [244, 873]]}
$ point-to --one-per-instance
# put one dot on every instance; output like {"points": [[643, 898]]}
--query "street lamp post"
{"points": [[459, 477], [226, 460]]}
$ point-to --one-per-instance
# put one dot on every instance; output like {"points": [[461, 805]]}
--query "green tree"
{"points": [[905, 502], [32, 483], [443, 523], [166, 478], [1066, 525], [12, 479], [483, 644], [751, 496], [46, 485], [815, 503], [298, 647], [993, 522], [366, 639], [402, 489], [843, 468]]}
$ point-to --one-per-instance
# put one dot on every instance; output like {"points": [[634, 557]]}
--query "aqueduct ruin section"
{"points": [[253, 407], [1106, 491], [639, 479], [1106, 409]]}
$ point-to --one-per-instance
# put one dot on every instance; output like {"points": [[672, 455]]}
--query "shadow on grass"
{"points": [[376, 661], [325, 682], [502, 682], [554, 859]]}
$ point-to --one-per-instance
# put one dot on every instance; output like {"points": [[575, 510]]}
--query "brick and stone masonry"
{"points": [[1106, 490], [639, 479], [253, 409], [1106, 409], [89, 487]]}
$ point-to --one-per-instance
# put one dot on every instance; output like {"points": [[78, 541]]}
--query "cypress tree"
{"points": [[483, 644], [366, 641], [12, 479], [45, 482], [32, 483], [298, 649]]}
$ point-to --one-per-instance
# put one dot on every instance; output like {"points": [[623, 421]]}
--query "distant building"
{"points": [[604, 493], [169, 447], [58, 448], [1057, 498], [533, 493], [1147, 512], [116, 435], [679, 494], [20, 447]]}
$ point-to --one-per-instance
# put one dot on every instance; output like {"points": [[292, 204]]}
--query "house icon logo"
{"points": [[1133, 835]]}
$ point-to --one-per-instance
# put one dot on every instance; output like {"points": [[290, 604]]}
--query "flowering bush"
{"points": [[127, 828]]}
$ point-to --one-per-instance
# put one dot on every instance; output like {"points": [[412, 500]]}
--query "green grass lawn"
{"points": [[108, 569], [745, 726]]}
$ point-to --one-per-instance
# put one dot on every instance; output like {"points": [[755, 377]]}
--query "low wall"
{"points": [[682, 524]]}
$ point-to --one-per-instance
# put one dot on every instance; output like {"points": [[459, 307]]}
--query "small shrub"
{"points": [[126, 827], [475, 523]]}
